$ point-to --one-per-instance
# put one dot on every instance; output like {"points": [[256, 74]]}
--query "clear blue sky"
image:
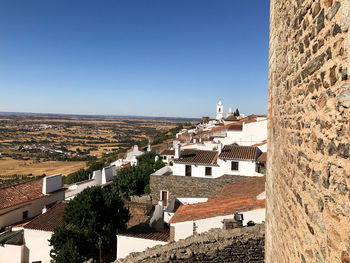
{"points": [[127, 57]]}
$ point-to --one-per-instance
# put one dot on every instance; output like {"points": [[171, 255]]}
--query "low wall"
{"points": [[184, 186], [127, 245], [235, 246]]}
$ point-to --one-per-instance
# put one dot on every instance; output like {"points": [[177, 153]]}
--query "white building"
{"points": [[32, 239], [167, 155], [26, 200], [99, 177], [131, 157], [245, 198], [138, 239], [231, 159]]}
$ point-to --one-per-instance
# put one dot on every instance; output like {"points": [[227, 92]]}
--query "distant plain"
{"points": [[36, 144]]}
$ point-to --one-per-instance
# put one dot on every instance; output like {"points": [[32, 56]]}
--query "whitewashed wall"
{"points": [[246, 168], [182, 230], [263, 148], [232, 137], [197, 170], [127, 245], [38, 245], [11, 254], [189, 201], [13, 214], [77, 188], [52, 183], [255, 132], [108, 173], [185, 229]]}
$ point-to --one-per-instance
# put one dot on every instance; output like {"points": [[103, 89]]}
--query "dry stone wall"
{"points": [[308, 165], [185, 186], [238, 245]]}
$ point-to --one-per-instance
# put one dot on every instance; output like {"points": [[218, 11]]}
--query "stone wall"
{"points": [[235, 246], [308, 166], [185, 186]]}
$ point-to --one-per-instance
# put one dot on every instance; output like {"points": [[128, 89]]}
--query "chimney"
{"points": [[177, 151], [52, 183], [220, 147]]}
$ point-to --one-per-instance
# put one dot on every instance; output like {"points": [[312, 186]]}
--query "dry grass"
{"points": [[10, 166]]}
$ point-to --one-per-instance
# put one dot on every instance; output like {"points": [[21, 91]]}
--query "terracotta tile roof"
{"points": [[49, 220], [197, 156], [168, 152], [231, 118], [145, 232], [260, 144], [21, 193], [235, 127], [262, 158], [236, 198], [239, 152]]}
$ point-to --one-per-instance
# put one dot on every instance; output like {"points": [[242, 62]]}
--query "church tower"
{"points": [[219, 111]]}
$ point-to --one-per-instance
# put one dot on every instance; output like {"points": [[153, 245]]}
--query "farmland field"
{"points": [[36, 144]]}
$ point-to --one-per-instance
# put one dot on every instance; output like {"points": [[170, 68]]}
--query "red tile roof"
{"points": [[198, 156], [168, 152], [236, 198], [231, 118], [260, 144], [236, 127], [239, 152], [49, 220], [21, 193], [145, 232]]}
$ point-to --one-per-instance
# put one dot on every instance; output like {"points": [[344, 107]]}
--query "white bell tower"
{"points": [[219, 111]]}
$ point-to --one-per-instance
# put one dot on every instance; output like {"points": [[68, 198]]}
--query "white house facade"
{"points": [[26, 200], [233, 160]]}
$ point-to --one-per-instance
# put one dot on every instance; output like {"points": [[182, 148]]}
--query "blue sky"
{"points": [[127, 57]]}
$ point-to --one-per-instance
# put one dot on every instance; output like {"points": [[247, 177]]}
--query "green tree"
{"points": [[90, 223], [236, 112], [133, 180]]}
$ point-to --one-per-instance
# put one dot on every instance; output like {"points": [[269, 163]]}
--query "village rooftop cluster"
{"points": [[214, 177]]}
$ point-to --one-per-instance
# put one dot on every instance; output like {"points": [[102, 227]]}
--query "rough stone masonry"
{"points": [[308, 165], [240, 245]]}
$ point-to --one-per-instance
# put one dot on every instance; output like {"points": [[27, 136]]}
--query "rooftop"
{"points": [[49, 220], [231, 118], [198, 156], [167, 152], [145, 232], [236, 198], [21, 193], [239, 152]]}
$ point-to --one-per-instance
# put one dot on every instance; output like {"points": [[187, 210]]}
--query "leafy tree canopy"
{"points": [[133, 180], [90, 223]]}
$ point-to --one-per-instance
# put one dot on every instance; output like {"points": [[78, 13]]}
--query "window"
{"points": [[234, 166], [164, 157], [188, 170], [25, 215], [207, 170]]}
